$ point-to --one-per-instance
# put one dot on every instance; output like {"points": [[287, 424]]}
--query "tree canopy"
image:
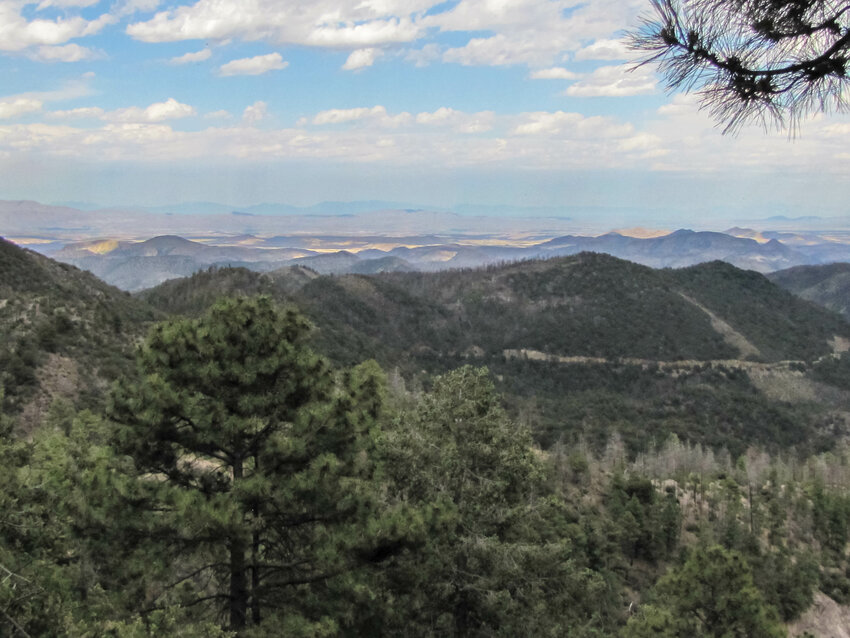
{"points": [[263, 460], [765, 60]]}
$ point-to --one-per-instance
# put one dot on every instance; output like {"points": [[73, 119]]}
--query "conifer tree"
{"points": [[501, 563], [258, 460], [712, 594], [753, 59]]}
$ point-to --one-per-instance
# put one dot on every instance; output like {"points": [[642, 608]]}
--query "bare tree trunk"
{"points": [[238, 584], [255, 562]]}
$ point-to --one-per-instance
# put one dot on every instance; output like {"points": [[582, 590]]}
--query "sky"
{"points": [[499, 103]]}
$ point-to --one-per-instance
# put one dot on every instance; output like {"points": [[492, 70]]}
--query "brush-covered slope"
{"points": [[587, 305], [65, 333], [586, 344], [779, 324], [828, 286]]}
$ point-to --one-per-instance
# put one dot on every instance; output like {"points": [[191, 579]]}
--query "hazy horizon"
{"points": [[466, 103]]}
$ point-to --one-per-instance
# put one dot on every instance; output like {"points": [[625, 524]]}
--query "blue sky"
{"points": [[512, 102]]}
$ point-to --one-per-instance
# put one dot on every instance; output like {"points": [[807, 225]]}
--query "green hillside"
{"points": [[779, 324], [642, 440], [828, 286], [66, 333], [626, 317], [589, 305]]}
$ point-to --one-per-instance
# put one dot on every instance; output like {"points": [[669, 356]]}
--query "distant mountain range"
{"points": [[138, 265], [378, 236]]}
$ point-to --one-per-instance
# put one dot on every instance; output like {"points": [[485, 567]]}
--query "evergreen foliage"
{"points": [[264, 458], [590, 305], [240, 485], [711, 594], [768, 60], [503, 563]]}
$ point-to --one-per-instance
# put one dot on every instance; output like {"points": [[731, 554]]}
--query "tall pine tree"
{"points": [[257, 460]]}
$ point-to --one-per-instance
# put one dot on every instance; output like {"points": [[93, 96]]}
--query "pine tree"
{"points": [[257, 460], [712, 594], [500, 562], [754, 59]]}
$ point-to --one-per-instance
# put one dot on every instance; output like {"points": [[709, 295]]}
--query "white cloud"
{"points": [[424, 56], [171, 109], [254, 66], [375, 116], [555, 73], [458, 121], [129, 7], [571, 125], [498, 50], [70, 90], [361, 58], [682, 140], [340, 116], [614, 81], [682, 104], [219, 115], [66, 4], [377, 32], [63, 53], [10, 108], [530, 32], [18, 34], [546, 123], [255, 113], [324, 23], [189, 58], [605, 49], [86, 112]]}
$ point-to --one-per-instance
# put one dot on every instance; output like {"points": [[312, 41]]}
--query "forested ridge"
{"points": [[382, 465]]}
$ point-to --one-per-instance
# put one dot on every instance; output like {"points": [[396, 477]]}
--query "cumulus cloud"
{"points": [[189, 58], [614, 81], [129, 7], [528, 31], [254, 66], [458, 121], [424, 56], [362, 58], [605, 49], [555, 73], [64, 53], [560, 123], [18, 34], [255, 113], [14, 107], [376, 116], [518, 32], [546, 140], [325, 23], [66, 4], [171, 109], [82, 113], [543, 122]]}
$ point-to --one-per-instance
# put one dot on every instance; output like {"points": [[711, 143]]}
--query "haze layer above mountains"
{"points": [[119, 247]]}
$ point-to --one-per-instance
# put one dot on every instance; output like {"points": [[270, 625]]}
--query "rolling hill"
{"points": [[827, 285], [581, 345]]}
